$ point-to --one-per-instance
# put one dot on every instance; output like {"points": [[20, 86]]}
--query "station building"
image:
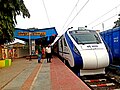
{"points": [[32, 37]]}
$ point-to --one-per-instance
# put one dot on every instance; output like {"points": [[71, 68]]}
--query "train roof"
{"points": [[81, 29]]}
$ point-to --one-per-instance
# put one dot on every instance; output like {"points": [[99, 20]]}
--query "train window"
{"points": [[61, 43], [86, 37], [65, 42]]}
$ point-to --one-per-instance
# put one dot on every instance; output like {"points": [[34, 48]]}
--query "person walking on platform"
{"points": [[48, 53], [39, 53]]}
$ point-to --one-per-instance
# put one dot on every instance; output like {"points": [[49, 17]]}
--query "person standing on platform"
{"points": [[39, 53], [48, 53], [43, 52]]}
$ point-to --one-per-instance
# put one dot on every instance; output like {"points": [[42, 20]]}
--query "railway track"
{"points": [[101, 82]]}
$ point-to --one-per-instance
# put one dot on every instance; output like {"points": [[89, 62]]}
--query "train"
{"points": [[83, 51], [112, 38]]}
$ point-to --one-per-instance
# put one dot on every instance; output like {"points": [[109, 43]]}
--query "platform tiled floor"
{"points": [[30, 75]]}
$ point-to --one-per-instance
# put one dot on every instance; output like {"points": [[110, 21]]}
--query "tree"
{"points": [[9, 9], [117, 23]]}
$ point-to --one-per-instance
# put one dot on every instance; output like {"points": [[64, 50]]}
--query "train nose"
{"points": [[95, 58]]}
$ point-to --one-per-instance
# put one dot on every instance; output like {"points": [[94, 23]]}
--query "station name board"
{"points": [[32, 33]]}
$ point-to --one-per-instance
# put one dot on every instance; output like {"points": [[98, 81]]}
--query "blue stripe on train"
{"points": [[77, 57]]}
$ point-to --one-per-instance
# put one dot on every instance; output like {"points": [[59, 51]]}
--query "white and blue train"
{"points": [[84, 51]]}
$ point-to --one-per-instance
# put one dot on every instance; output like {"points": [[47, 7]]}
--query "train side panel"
{"points": [[116, 43], [112, 38], [65, 52], [76, 58]]}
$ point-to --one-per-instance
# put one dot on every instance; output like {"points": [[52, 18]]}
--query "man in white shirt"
{"points": [[48, 53]]}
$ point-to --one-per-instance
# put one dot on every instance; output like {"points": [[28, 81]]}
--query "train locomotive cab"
{"points": [[84, 50]]}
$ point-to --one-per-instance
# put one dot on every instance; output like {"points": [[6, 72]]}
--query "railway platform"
{"points": [[30, 75]]}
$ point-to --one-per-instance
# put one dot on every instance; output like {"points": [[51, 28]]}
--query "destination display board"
{"points": [[32, 33], [26, 34]]}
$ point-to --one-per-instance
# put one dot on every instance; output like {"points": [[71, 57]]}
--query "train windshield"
{"points": [[85, 37]]}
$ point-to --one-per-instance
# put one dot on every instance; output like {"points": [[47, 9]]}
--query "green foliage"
{"points": [[117, 23], [9, 9]]}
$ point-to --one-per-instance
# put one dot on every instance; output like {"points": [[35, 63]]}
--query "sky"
{"points": [[62, 14]]}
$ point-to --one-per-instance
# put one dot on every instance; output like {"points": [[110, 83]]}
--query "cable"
{"points": [[105, 20], [70, 14], [46, 12], [103, 15], [77, 13]]}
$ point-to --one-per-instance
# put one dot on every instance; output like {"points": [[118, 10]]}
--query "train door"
{"points": [[67, 53], [65, 50], [60, 45]]}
